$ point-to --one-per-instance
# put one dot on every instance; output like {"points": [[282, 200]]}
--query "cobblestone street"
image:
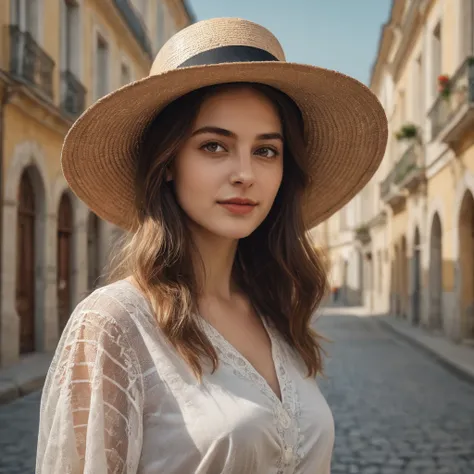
{"points": [[18, 435], [397, 411]]}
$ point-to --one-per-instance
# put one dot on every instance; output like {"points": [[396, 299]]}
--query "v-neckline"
{"points": [[228, 348], [256, 377]]}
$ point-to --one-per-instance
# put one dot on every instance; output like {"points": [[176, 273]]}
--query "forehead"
{"points": [[236, 107]]}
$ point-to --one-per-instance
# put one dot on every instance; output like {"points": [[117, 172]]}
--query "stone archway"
{"points": [[64, 259], [361, 277], [396, 280], [26, 174], [26, 263], [466, 258], [93, 251], [29, 258], [403, 278], [416, 278], [436, 275]]}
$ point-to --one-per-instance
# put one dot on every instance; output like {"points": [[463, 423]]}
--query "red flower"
{"points": [[443, 79]]}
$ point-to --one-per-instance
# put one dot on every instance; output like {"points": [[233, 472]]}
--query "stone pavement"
{"points": [[24, 377], [396, 409], [457, 357], [19, 434]]}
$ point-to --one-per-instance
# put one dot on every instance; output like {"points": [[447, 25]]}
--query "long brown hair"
{"points": [[276, 266]]}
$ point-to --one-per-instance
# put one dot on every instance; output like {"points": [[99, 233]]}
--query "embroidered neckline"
{"points": [[286, 412]]}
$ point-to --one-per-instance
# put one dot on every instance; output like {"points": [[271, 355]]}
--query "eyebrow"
{"points": [[228, 133]]}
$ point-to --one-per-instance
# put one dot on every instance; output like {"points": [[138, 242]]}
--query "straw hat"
{"points": [[345, 125]]}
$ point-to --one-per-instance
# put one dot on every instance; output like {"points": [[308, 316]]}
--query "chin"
{"points": [[233, 230], [234, 233]]}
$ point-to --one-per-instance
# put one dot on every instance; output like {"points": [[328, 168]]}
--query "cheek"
{"points": [[272, 180], [193, 181]]}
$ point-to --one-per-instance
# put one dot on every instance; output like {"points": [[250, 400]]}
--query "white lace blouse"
{"points": [[119, 399]]}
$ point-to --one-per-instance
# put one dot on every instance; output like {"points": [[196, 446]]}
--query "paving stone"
{"points": [[18, 434], [396, 410], [404, 412]]}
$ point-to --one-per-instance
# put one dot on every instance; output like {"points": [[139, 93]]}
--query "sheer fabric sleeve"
{"points": [[92, 402]]}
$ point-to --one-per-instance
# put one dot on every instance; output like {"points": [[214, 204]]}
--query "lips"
{"points": [[238, 205], [239, 202]]}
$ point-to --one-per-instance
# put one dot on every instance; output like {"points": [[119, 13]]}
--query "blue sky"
{"points": [[336, 34]]}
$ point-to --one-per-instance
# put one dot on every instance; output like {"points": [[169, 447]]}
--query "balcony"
{"points": [[405, 176], [73, 94], [452, 115], [128, 13], [29, 63]]}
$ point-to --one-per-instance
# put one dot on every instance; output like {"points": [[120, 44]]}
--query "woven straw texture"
{"points": [[345, 125]]}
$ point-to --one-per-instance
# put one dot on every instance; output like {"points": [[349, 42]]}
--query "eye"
{"points": [[212, 147], [267, 152]]}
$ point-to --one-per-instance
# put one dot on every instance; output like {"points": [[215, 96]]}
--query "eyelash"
{"points": [[274, 150]]}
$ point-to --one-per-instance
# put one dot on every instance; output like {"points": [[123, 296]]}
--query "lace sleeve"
{"points": [[92, 402]]}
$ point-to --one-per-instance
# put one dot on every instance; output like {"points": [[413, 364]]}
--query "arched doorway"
{"points": [[396, 280], [466, 253], [416, 272], [93, 251], [361, 287], [25, 263], [368, 294], [64, 263], [436, 275], [404, 280]]}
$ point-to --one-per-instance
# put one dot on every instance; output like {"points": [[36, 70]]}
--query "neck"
{"points": [[214, 265]]}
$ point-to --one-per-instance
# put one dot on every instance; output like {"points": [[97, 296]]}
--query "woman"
{"points": [[199, 357]]}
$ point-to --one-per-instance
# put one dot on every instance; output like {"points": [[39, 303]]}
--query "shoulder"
{"points": [[115, 308]]}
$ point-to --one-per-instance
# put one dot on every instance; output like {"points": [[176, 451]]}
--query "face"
{"points": [[227, 174]]}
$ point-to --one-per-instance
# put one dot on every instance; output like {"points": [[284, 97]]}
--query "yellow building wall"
{"points": [[19, 127], [449, 38], [25, 119], [442, 189]]}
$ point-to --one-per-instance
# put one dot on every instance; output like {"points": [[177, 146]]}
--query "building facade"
{"points": [[56, 58], [417, 224], [345, 255]]}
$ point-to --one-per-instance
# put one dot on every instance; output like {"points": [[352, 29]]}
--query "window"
{"points": [[343, 218], [418, 102], [402, 107], [25, 14], [436, 55], [101, 67], [70, 36], [125, 74], [160, 24], [380, 271], [466, 30]]}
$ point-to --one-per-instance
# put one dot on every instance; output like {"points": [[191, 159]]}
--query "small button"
{"points": [[288, 454], [284, 418]]}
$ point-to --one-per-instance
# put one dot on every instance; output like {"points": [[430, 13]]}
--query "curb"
{"points": [[447, 363], [26, 376], [10, 391]]}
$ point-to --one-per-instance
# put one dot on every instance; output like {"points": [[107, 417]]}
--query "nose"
{"points": [[243, 169]]}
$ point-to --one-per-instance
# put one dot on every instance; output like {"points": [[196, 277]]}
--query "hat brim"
{"points": [[345, 126]]}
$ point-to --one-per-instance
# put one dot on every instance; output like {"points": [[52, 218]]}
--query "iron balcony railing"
{"points": [[410, 161], [460, 92], [73, 94], [135, 24], [29, 62]]}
